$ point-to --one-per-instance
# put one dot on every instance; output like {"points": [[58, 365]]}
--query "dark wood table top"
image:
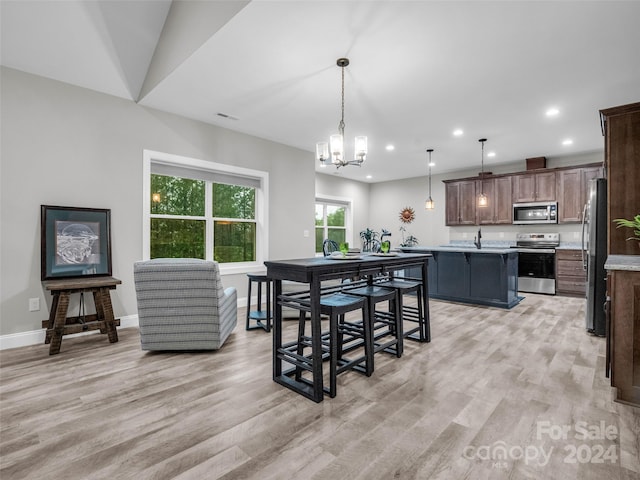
{"points": [[301, 269], [80, 283]]}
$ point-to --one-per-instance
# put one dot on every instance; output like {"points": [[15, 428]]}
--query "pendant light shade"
{"points": [[429, 204], [483, 201], [333, 152]]}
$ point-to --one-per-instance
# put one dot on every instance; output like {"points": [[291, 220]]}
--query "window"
{"points": [[199, 209], [332, 221]]}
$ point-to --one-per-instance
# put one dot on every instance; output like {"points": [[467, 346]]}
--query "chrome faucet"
{"points": [[476, 240]]}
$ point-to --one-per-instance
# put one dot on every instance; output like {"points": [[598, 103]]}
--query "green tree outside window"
{"points": [[175, 233]]}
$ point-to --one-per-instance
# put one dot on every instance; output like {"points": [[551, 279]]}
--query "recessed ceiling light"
{"points": [[369, 176], [432, 164], [552, 112], [390, 148], [568, 141], [491, 154], [458, 132]]}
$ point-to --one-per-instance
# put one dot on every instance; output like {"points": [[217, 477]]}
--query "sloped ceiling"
{"points": [[419, 70]]}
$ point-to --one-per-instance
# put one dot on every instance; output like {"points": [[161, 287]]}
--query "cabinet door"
{"points": [[467, 203], [570, 196], [486, 215], [452, 193], [622, 144], [500, 208], [524, 188], [545, 187], [503, 207], [460, 199]]}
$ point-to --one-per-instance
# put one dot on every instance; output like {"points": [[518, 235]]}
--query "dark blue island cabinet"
{"points": [[480, 277]]}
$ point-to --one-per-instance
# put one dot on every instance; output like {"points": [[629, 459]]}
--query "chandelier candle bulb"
{"points": [[322, 152], [361, 148]]}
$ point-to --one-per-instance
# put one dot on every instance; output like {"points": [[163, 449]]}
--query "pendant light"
{"points": [[483, 201], [333, 152], [429, 204]]}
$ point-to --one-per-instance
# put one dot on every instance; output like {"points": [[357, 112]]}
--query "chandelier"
{"points": [[429, 204], [482, 198], [333, 152]]}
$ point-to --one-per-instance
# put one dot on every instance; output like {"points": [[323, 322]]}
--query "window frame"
{"points": [[261, 198], [345, 202]]}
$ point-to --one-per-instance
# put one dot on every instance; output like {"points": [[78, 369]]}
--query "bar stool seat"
{"points": [[262, 318], [381, 323], [409, 312], [335, 343]]}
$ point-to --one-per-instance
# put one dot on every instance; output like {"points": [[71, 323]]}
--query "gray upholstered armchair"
{"points": [[182, 304]]}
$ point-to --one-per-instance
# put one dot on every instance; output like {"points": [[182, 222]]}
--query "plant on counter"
{"points": [[371, 239], [634, 224], [409, 240]]}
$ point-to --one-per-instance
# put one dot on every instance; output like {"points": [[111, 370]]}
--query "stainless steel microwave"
{"points": [[535, 213]]}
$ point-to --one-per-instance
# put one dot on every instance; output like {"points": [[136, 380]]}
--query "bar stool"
{"points": [[381, 323], [261, 317], [340, 335], [409, 312]]}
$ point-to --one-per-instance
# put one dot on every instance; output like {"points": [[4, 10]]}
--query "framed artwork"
{"points": [[75, 242]]}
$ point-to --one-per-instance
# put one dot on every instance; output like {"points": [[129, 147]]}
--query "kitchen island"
{"points": [[486, 276]]}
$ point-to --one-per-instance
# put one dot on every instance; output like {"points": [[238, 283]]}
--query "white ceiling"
{"points": [[419, 70]]}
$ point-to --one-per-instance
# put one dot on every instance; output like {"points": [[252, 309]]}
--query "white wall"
{"points": [[68, 146]]}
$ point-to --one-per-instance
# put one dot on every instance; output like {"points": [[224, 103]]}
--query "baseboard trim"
{"points": [[36, 337]]}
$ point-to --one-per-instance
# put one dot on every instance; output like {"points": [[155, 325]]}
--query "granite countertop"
{"points": [[623, 262], [459, 248]]}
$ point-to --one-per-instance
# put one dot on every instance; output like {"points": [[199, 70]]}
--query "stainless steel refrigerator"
{"points": [[594, 254]]}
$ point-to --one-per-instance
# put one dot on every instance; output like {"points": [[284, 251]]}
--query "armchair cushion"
{"points": [[182, 304]]}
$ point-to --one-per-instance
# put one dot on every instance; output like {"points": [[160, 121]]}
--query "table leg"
{"points": [[316, 340], [104, 300], [425, 300], [52, 318], [60, 307], [277, 329], [97, 301]]}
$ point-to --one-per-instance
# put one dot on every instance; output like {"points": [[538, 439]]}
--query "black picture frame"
{"points": [[75, 242]]}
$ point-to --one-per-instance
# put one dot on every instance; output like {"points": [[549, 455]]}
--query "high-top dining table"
{"points": [[314, 271]]}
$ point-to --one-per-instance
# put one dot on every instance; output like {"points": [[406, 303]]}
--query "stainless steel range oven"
{"points": [[537, 262]]}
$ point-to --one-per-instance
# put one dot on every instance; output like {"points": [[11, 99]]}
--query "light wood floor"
{"points": [[490, 381]]}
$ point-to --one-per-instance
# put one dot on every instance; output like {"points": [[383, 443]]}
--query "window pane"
{"points": [[176, 196], [234, 201], [337, 234], [319, 214], [335, 216], [234, 242], [319, 239], [171, 238]]}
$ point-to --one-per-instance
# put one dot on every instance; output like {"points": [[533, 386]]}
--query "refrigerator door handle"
{"points": [[582, 250]]}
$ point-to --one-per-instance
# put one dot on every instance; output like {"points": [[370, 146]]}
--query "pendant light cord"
{"points": [[482, 140], [341, 124]]}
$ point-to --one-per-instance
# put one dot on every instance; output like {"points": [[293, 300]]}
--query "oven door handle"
{"points": [[582, 249]]}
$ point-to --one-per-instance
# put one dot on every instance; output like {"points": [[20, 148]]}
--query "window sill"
{"points": [[242, 268]]}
